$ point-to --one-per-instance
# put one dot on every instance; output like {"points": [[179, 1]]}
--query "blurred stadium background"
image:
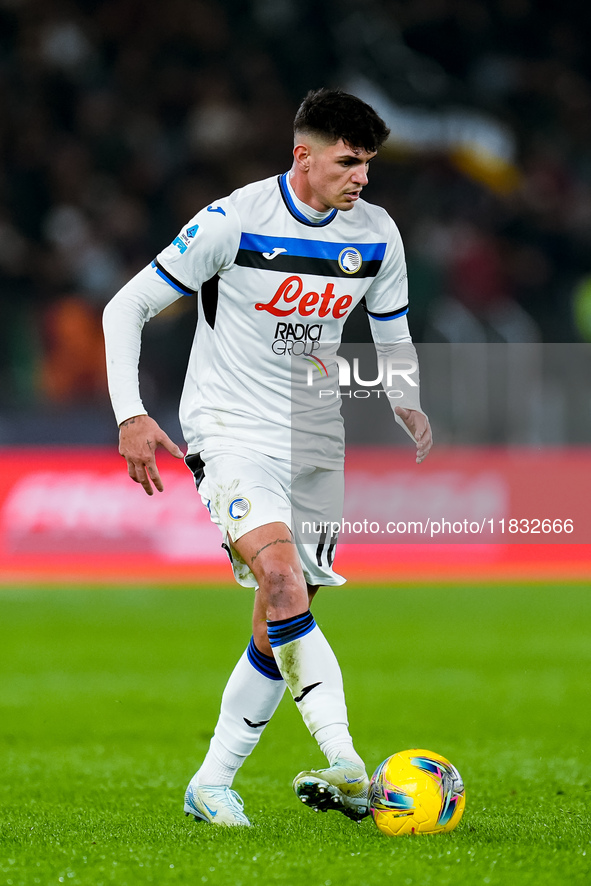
{"points": [[121, 119]]}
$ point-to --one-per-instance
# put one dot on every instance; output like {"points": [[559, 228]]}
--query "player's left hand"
{"points": [[418, 424]]}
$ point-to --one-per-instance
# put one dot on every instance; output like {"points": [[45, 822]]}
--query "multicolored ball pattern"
{"points": [[416, 792]]}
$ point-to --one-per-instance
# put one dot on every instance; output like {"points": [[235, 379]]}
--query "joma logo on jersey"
{"points": [[306, 303], [297, 339]]}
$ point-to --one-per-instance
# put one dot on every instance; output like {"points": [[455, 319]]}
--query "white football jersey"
{"points": [[273, 282]]}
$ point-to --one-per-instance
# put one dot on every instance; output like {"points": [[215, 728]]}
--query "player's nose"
{"points": [[360, 177]]}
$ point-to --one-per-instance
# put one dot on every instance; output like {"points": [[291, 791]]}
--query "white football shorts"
{"points": [[244, 489]]}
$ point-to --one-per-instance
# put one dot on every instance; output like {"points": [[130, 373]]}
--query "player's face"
{"points": [[336, 175]]}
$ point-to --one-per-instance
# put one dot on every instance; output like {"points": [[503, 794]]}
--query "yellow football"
{"points": [[416, 792]]}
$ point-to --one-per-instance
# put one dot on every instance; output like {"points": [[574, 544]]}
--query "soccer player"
{"points": [[278, 262]]}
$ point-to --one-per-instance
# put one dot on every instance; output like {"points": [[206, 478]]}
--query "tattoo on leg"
{"points": [[278, 541]]}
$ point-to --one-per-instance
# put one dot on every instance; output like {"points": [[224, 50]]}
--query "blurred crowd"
{"points": [[120, 119]]}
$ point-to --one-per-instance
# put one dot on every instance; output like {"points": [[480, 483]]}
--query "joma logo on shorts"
{"points": [[307, 303]]}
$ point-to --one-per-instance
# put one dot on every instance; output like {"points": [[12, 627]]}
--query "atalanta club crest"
{"points": [[239, 508], [350, 260]]}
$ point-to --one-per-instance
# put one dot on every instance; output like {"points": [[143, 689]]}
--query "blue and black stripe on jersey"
{"points": [[385, 315], [293, 210], [172, 281], [291, 255], [209, 291]]}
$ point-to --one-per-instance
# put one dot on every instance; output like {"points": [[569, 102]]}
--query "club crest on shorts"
{"points": [[239, 508], [350, 260]]}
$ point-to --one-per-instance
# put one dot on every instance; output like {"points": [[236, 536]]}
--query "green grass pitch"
{"points": [[108, 698]]}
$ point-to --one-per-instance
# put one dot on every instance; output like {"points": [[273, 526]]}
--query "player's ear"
{"points": [[301, 155]]}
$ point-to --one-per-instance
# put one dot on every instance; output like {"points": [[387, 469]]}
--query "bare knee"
{"points": [[283, 590], [280, 583]]}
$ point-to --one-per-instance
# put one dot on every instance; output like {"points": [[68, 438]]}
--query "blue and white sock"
{"points": [[310, 669], [250, 699]]}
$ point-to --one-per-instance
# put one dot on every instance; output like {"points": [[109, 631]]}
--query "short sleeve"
{"points": [[206, 245]]}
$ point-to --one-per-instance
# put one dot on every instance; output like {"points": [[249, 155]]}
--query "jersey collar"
{"points": [[297, 213]]}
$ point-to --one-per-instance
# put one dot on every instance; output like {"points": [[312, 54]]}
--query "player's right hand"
{"points": [[139, 437]]}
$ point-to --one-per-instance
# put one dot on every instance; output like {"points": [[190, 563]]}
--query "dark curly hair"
{"points": [[332, 114]]}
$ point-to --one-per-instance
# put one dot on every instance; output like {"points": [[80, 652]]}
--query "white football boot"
{"points": [[216, 804], [343, 787]]}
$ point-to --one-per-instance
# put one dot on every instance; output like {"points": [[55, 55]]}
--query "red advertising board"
{"points": [[73, 515]]}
